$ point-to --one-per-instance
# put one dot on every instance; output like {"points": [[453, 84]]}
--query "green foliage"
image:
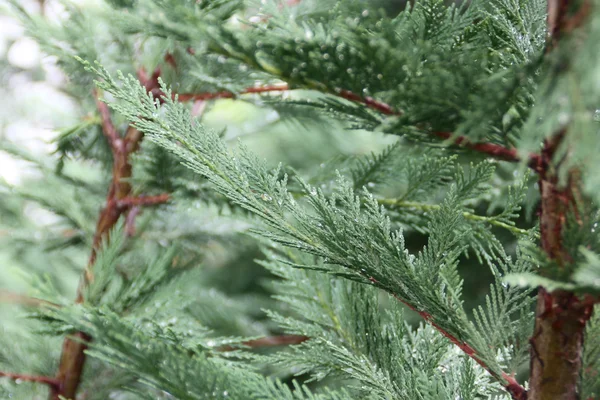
{"points": [[591, 381], [332, 227], [374, 351], [400, 262], [156, 359]]}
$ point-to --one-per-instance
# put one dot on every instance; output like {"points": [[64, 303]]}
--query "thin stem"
{"points": [[230, 95], [270, 341], [368, 101], [16, 298], [395, 204], [108, 129], [47, 380], [511, 385], [132, 201], [493, 150], [282, 340], [119, 202]]}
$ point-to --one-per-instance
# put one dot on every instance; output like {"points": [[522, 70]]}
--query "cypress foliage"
{"points": [[410, 211]]}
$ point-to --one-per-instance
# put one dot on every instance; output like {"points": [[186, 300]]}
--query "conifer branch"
{"points": [[217, 169], [493, 150], [118, 202], [486, 78], [490, 149], [517, 391], [53, 383], [396, 204]]}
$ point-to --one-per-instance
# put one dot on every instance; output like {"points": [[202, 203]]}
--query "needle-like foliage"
{"points": [[376, 233]]}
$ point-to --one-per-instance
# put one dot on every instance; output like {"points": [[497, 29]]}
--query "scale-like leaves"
{"points": [[335, 227]]}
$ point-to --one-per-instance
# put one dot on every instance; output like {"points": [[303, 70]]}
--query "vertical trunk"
{"points": [[71, 367], [561, 317], [557, 341], [72, 359], [557, 345]]}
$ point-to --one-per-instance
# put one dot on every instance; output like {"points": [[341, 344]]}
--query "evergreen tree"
{"points": [[424, 226]]}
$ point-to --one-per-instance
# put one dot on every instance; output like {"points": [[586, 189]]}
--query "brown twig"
{"points": [[108, 129], [133, 201], [118, 202], [560, 21], [230, 95], [493, 150], [368, 101], [130, 221], [269, 341], [512, 386], [47, 380], [9, 297]]}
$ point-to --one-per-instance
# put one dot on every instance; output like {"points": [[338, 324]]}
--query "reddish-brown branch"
{"points": [[230, 95], [108, 129], [561, 316], [118, 202], [490, 149], [493, 150], [47, 380], [130, 221], [512, 386], [132, 201], [269, 341], [368, 101], [9, 297], [560, 21]]}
